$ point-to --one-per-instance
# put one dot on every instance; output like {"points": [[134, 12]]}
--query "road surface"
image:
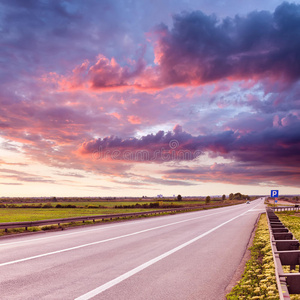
{"points": [[185, 256]]}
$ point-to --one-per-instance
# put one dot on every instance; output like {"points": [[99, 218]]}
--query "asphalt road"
{"points": [[185, 256]]}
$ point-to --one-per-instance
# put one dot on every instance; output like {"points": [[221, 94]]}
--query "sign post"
{"points": [[274, 194]]}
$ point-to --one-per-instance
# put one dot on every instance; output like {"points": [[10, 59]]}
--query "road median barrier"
{"points": [[286, 252], [286, 208]]}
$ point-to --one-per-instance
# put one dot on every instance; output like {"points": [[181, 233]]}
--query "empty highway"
{"points": [[185, 256]]}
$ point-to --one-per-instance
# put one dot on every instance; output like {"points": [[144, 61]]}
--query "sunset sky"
{"points": [[133, 98]]}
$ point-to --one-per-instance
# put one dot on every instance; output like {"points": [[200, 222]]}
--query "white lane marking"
{"points": [[102, 241], [63, 235], [132, 272], [102, 228]]}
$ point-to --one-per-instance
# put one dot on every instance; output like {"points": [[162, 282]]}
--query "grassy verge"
{"points": [[14, 212], [35, 214], [80, 223], [258, 280], [19, 214]]}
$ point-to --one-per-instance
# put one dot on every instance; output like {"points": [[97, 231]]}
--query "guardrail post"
{"points": [[285, 250], [281, 284], [293, 281]]}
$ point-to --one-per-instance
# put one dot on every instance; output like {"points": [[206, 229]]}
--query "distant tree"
{"points": [[179, 198], [237, 196], [207, 199], [223, 198]]}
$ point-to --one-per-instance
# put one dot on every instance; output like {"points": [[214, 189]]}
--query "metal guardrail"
{"points": [[285, 251], [286, 208], [89, 218]]}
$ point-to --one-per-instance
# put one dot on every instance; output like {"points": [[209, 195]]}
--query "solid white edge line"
{"points": [[102, 241], [132, 272]]}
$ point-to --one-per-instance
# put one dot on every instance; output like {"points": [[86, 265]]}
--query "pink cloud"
{"points": [[201, 49], [105, 74], [134, 120]]}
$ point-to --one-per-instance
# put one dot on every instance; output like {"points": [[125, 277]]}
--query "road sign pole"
{"points": [[274, 194]]}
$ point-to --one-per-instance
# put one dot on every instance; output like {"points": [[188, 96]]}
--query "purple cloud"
{"points": [[200, 48], [82, 78], [278, 145]]}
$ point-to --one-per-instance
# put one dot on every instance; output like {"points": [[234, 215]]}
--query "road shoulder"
{"points": [[240, 269]]}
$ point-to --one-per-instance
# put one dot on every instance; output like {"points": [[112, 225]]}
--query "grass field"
{"points": [[35, 214], [14, 212], [26, 211]]}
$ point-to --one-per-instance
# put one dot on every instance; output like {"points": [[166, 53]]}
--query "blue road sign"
{"points": [[274, 193], [276, 201]]}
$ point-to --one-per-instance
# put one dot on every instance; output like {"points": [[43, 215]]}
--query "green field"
{"points": [[20, 210], [24, 211], [35, 214]]}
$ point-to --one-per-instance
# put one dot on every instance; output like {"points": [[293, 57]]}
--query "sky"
{"points": [[141, 98]]}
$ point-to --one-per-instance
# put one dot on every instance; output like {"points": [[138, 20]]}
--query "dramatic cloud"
{"points": [[95, 90], [279, 145], [201, 48], [104, 74]]}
